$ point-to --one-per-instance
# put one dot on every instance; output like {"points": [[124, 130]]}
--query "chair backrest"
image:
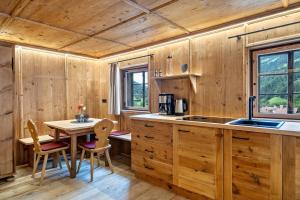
{"points": [[34, 134], [102, 130]]}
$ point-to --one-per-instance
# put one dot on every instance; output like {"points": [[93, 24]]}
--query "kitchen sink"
{"points": [[258, 123]]}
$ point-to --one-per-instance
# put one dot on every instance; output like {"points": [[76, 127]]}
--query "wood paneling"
{"points": [[202, 14], [7, 6], [21, 31], [274, 33], [43, 88], [50, 87], [6, 112], [180, 55], [83, 86], [143, 30], [84, 16], [96, 47], [221, 88], [119, 25]]}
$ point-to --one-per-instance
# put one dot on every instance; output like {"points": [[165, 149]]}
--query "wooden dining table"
{"points": [[73, 129]]}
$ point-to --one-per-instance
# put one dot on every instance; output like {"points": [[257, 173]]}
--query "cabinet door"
{"points": [[291, 167], [198, 160], [252, 166], [6, 112]]}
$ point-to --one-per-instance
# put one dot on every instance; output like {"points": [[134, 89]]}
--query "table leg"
{"points": [[56, 135], [73, 155]]}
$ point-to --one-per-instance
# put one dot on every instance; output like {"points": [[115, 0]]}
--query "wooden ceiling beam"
{"points": [[147, 11], [94, 35], [285, 3]]}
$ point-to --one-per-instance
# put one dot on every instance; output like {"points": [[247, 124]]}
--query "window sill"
{"points": [[135, 111]]}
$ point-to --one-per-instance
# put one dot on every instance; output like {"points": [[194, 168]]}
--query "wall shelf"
{"points": [[191, 77]]}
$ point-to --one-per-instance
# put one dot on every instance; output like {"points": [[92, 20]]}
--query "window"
{"points": [[136, 89], [276, 81]]}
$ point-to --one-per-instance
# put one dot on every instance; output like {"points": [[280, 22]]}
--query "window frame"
{"points": [[254, 82], [134, 69]]}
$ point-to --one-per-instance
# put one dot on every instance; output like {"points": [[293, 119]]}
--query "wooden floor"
{"points": [[106, 186]]}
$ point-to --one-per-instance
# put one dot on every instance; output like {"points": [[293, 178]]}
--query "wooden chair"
{"points": [[99, 146], [44, 150]]}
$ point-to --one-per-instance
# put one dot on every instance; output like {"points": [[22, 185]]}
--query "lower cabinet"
{"points": [[198, 160], [218, 164], [291, 167], [252, 166], [152, 149]]}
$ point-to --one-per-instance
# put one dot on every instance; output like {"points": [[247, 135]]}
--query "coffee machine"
{"points": [[166, 104]]}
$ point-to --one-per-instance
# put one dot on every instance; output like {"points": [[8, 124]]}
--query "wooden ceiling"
{"points": [[99, 28]]}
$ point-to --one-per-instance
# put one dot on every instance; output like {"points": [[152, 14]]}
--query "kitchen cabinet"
{"points": [[252, 165], [6, 113], [291, 167], [152, 149], [198, 160]]}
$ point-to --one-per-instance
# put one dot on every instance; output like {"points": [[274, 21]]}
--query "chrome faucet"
{"points": [[250, 104]]}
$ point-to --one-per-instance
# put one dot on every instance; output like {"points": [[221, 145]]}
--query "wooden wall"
{"points": [[50, 86], [223, 63], [6, 112]]}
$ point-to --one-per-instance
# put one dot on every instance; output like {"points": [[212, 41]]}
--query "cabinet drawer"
{"points": [[152, 150], [251, 145], [152, 131], [153, 168]]}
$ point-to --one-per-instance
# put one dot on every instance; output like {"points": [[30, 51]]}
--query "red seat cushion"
{"points": [[53, 145], [117, 133], [89, 145]]}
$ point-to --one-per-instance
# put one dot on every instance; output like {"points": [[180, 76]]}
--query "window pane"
{"points": [[273, 104], [138, 95], [273, 84], [277, 63], [296, 100], [297, 61], [146, 77], [146, 96], [138, 78], [297, 82]]}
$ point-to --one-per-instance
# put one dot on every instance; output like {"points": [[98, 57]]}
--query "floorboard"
{"points": [[121, 185]]}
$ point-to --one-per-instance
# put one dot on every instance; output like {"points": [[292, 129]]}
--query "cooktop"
{"points": [[208, 119]]}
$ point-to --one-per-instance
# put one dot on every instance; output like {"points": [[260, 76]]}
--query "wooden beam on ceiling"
{"points": [[285, 3], [147, 11], [15, 12], [94, 35]]}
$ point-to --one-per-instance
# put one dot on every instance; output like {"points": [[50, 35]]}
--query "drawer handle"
{"points": [[149, 137], [149, 126], [240, 138], [147, 167], [149, 151], [183, 131]]}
